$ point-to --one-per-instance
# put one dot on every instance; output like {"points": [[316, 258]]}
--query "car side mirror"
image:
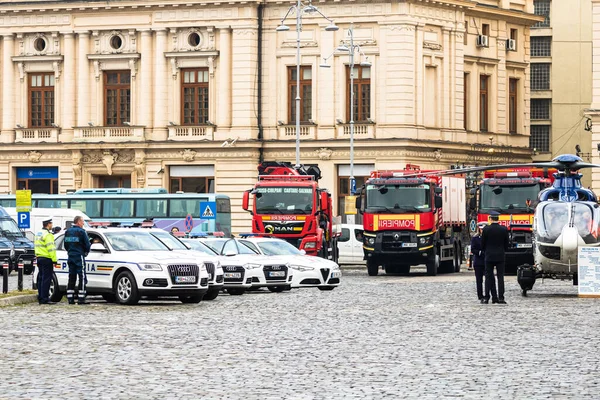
{"points": [[246, 200], [438, 190], [303, 252], [230, 253], [438, 202], [98, 248], [473, 203]]}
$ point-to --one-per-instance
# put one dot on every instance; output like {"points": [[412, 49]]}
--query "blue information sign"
{"points": [[24, 220], [208, 210]]}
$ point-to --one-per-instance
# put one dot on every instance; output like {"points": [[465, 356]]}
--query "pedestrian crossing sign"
{"points": [[208, 210]]}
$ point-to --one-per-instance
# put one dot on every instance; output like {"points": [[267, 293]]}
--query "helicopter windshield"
{"points": [[552, 217], [500, 198]]}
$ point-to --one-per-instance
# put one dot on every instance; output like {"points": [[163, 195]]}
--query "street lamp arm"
{"points": [[288, 14]]}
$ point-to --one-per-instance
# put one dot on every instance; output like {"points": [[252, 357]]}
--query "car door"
{"points": [[99, 265], [358, 254], [345, 246]]}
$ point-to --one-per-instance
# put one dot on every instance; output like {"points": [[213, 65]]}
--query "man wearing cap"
{"points": [[45, 251], [494, 242], [77, 244], [478, 259]]}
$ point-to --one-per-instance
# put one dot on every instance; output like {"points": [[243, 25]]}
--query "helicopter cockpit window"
{"points": [[585, 219], [550, 220]]}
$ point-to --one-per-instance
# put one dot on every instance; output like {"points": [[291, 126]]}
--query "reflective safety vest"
{"points": [[44, 245]]}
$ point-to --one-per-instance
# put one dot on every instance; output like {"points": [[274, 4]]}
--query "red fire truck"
{"points": [[513, 193], [411, 219], [289, 204]]}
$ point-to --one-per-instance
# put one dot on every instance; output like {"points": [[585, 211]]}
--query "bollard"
{"points": [[20, 277], [5, 278], [34, 284]]}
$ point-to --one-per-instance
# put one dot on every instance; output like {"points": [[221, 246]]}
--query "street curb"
{"points": [[16, 300]]}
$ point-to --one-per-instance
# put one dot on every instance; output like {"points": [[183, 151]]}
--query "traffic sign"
{"points": [[473, 225], [23, 200], [352, 185], [189, 223], [350, 205], [208, 209], [24, 219]]}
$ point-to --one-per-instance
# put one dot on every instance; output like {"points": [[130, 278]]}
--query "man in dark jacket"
{"points": [[478, 260], [77, 244], [494, 242]]}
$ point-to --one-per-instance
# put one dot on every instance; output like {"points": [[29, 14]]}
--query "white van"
{"points": [[350, 245], [61, 217]]}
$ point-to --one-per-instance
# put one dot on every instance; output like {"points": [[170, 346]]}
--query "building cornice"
{"points": [[513, 16]]}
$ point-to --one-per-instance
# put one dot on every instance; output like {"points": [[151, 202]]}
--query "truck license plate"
{"points": [[278, 274], [524, 245], [409, 245], [185, 279], [233, 275]]}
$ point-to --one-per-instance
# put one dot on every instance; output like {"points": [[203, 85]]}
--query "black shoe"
{"points": [[71, 302], [49, 303], [501, 301], [494, 301], [484, 301], [83, 303]]}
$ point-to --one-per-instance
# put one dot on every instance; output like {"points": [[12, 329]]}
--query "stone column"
{"points": [[144, 115], [83, 81], [8, 88], [160, 86], [68, 98], [224, 73]]}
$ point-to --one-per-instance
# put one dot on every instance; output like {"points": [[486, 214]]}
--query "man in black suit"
{"points": [[494, 242]]}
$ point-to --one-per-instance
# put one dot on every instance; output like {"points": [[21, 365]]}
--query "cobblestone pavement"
{"points": [[373, 337]]}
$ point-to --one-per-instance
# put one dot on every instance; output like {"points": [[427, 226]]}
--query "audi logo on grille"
{"points": [[276, 267], [230, 268], [184, 269]]}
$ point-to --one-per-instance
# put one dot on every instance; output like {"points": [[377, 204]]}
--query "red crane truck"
{"points": [[413, 220], [289, 204], [513, 193]]}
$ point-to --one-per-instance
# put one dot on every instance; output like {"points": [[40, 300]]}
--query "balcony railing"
{"points": [[200, 132], [93, 134], [37, 135], [288, 132], [361, 131]]}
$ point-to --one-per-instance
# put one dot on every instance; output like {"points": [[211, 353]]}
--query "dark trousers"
{"points": [[46, 268], [479, 273], [490, 282], [76, 270]]}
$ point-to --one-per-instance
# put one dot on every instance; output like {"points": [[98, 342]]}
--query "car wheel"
{"points": [[433, 263], [109, 297], [372, 268], [55, 293], [195, 299], [211, 294], [326, 288], [236, 291], [126, 289], [276, 289]]}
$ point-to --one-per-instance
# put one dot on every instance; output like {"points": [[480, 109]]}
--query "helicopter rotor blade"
{"points": [[460, 171], [581, 165]]}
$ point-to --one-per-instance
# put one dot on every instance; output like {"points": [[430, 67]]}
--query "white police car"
{"points": [[125, 265], [238, 270], [309, 271], [210, 260], [270, 272]]}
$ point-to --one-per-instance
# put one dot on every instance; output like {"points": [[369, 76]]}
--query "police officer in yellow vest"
{"points": [[45, 251]]}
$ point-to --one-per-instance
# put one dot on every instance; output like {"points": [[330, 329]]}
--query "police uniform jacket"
{"points": [[494, 242], [44, 245], [477, 251], [77, 243]]}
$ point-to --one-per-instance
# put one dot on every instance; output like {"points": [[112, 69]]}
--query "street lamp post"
{"points": [[364, 63], [300, 9]]}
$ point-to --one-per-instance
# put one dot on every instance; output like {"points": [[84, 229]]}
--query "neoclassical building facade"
{"points": [[190, 95]]}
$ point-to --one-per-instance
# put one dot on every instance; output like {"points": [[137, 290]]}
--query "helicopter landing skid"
{"points": [[528, 274]]}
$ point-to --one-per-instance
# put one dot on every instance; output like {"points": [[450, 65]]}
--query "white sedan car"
{"points": [[271, 272], [309, 271], [125, 265], [210, 261], [238, 270]]}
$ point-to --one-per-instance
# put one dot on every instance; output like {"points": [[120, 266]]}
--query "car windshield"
{"points": [[199, 246], [284, 200], [398, 198], [276, 248], [216, 244], [168, 240], [8, 227], [501, 198], [134, 241]]}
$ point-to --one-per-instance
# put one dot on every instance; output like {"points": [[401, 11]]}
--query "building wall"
{"points": [[570, 80], [419, 54]]}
